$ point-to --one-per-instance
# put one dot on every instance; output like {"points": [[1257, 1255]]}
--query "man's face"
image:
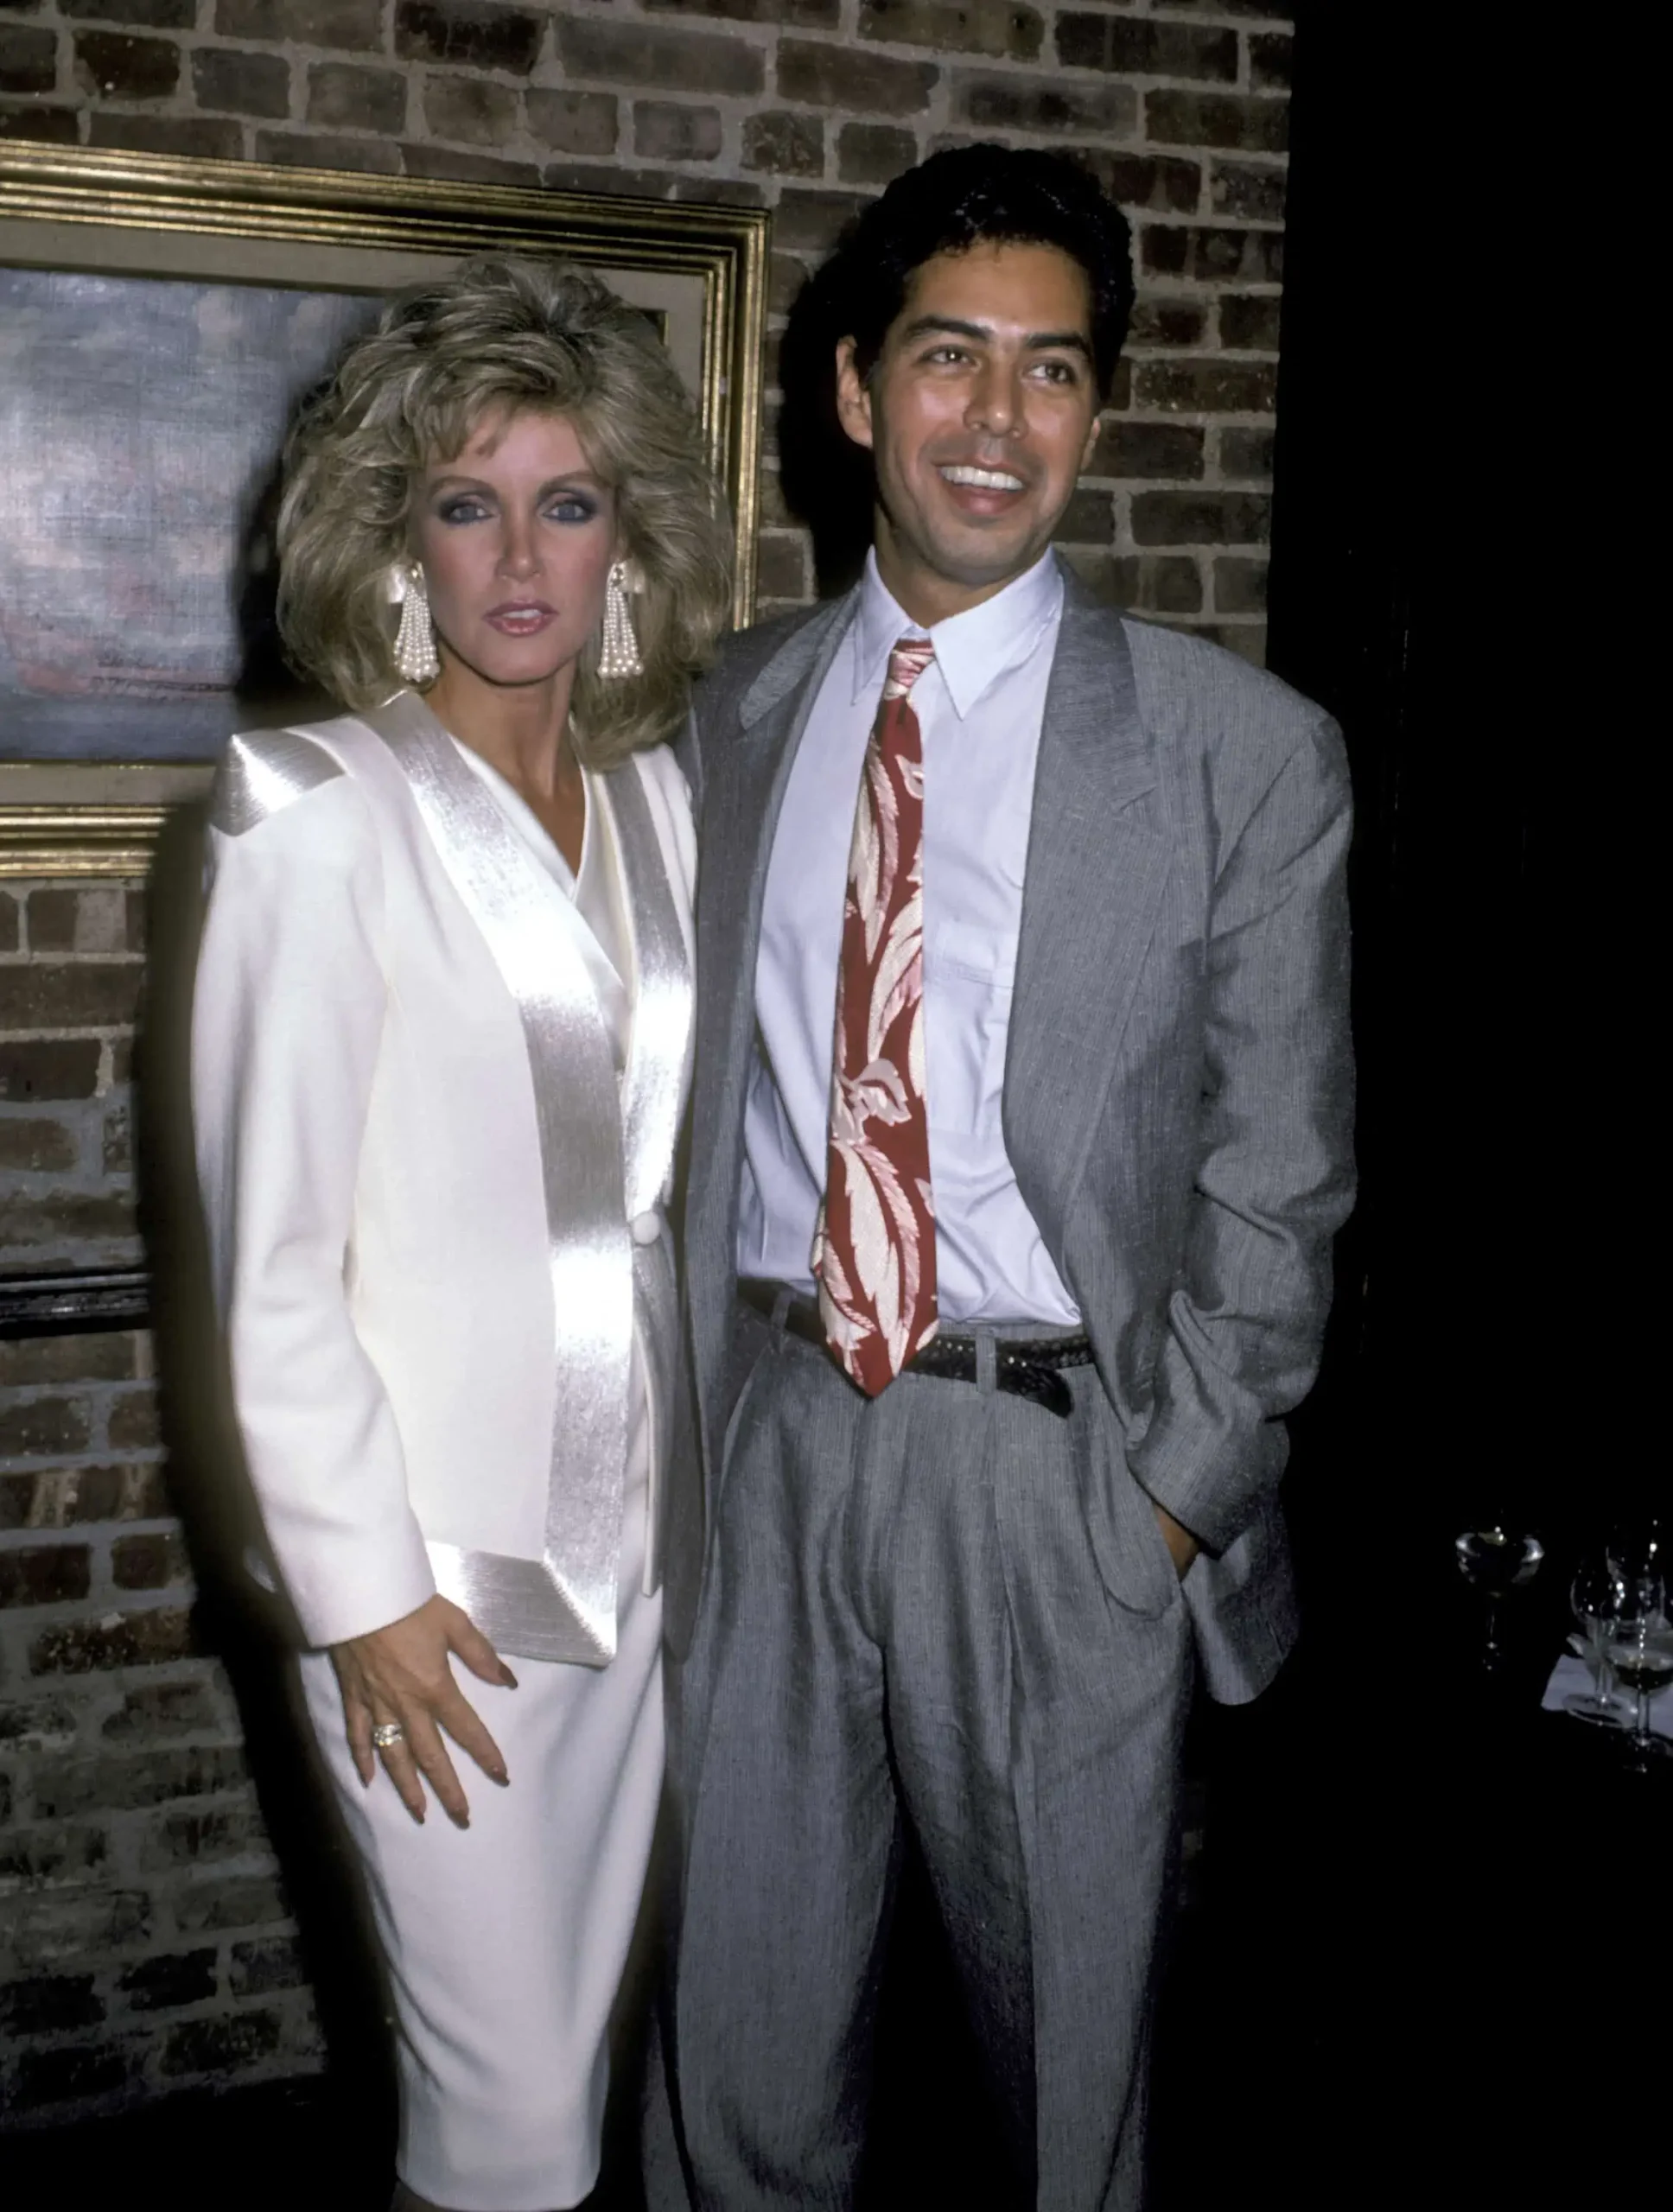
{"points": [[980, 413]]}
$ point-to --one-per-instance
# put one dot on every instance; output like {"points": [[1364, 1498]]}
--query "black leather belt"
{"points": [[1025, 1367]]}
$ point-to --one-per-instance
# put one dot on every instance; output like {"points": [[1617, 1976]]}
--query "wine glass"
{"points": [[1640, 1645], [1496, 1563], [1595, 1597]]}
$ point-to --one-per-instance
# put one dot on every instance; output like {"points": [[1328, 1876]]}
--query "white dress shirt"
{"points": [[979, 706]]}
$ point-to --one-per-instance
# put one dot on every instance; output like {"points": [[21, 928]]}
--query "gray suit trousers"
{"points": [[904, 1615]]}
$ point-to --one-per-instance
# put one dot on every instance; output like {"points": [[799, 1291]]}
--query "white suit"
{"points": [[437, 1082]]}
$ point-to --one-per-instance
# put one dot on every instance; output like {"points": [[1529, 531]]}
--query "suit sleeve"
{"points": [[288, 1018], [1275, 1181]]}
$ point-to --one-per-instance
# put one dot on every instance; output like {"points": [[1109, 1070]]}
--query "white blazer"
{"points": [[435, 1210]]}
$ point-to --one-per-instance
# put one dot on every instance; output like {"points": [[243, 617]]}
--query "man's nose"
{"points": [[996, 402]]}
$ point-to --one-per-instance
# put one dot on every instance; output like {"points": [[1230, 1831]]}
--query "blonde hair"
{"points": [[519, 335]]}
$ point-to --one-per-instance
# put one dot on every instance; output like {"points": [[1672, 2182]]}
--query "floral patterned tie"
{"points": [[874, 1250]]}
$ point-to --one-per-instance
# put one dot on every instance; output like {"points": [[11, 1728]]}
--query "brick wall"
{"points": [[143, 1941]]}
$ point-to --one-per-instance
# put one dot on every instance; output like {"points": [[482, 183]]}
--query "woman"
{"points": [[439, 1044]]}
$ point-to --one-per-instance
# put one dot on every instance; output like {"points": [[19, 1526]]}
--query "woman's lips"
{"points": [[521, 618]]}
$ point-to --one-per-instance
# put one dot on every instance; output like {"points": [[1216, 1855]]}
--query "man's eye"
{"points": [[948, 353], [1057, 372]]}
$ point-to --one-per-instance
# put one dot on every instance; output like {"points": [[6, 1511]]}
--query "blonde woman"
{"points": [[440, 1045]]}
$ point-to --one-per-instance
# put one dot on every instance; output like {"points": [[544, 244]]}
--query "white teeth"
{"points": [[983, 479]]}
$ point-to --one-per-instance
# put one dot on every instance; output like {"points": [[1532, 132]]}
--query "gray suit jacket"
{"points": [[1178, 1089]]}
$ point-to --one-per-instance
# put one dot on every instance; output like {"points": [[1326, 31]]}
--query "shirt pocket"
{"points": [[969, 976]]}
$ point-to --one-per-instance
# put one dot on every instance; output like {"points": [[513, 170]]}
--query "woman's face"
{"points": [[516, 535]]}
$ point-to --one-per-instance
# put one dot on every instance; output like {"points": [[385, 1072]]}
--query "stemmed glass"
{"points": [[1640, 1644], [1595, 1597], [1496, 1563]]}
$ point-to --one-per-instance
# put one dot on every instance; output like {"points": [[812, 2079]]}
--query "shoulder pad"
{"points": [[261, 773]]}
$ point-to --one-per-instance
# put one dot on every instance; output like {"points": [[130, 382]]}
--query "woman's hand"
{"points": [[400, 1675]]}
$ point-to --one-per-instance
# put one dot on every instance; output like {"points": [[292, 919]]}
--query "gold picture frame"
{"points": [[699, 269]]}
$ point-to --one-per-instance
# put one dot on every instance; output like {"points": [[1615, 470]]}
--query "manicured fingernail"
{"points": [[499, 1775], [508, 1678]]}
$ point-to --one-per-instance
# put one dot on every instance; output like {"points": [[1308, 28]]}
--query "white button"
{"points": [[646, 1228]]}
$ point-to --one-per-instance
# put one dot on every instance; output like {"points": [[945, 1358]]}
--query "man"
{"points": [[1021, 1134]]}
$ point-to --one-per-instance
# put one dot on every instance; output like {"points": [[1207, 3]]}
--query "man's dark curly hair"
{"points": [[974, 195]]}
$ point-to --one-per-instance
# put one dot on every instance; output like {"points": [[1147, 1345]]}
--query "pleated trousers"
{"points": [[504, 1943], [908, 1615]]}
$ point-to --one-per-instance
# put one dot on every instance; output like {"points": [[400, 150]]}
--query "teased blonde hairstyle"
{"points": [[519, 335]]}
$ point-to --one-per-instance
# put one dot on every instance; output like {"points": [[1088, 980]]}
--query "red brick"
{"points": [[572, 123], [230, 1901], [1253, 191], [44, 1574], [1227, 256], [269, 1963], [356, 25], [139, 1639], [1163, 182], [1206, 387], [1001, 29], [243, 84], [28, 59], [156, 1711], [1246, 453], [1227, 119], [73, 994], [220, 2046], [1248, 323], [641, 53], [49, 2004], [64, 1497], [39, 1426], [1135, 48], [47, 126], [668, 130], [1239, 585], [837, 76], [1051, 106], [473, 32], [201, 138], [295, 149], [812, 221], [69, 1217], [36, 1147], [1141, 450], [802, 15], [473, 110], [50, 2077], [162, 1983], [1271, 56], [101, 1356], [1201, 517], [39, 1858], [452, 163], [1160, 321], [1169, 583], [1089, 519], [153, 15], [48, 1068], [66, 1788], [872, 153], [117, 67], [343, 96], [788, 145]]}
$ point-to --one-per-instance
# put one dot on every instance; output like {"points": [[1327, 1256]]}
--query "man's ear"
{"points": [[853, 399], [1091, 443]]}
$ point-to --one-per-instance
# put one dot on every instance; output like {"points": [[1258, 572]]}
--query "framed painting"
{"points": [[159, 321]]}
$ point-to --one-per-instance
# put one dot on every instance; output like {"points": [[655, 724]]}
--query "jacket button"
{"points": [[646, 1228]]}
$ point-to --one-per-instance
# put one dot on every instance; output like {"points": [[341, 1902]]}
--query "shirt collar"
{"points": [[972, 649]]}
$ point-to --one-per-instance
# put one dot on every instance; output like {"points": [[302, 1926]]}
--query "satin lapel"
{"points": [[563, 1607], [654, 1076], [743, 792], [1098, 863], [652, 1087]]}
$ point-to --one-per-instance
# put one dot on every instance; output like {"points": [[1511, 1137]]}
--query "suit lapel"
{"points": [[744, 780], [1098, 863]]}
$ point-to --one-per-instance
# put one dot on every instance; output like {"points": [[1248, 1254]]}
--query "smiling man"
{"points": [[1021, 1134]]}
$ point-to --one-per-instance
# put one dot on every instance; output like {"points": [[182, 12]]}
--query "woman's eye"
{"points": [[461, 510], [571, 507]]}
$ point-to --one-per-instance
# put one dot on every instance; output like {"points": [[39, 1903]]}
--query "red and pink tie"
{"points": [[873, 1251]]}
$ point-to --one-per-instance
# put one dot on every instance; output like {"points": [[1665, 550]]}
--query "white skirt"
{"points": [[505, 1941]]}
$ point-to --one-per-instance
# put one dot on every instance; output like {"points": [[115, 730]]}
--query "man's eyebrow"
{"points": [[1037, 341]]}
